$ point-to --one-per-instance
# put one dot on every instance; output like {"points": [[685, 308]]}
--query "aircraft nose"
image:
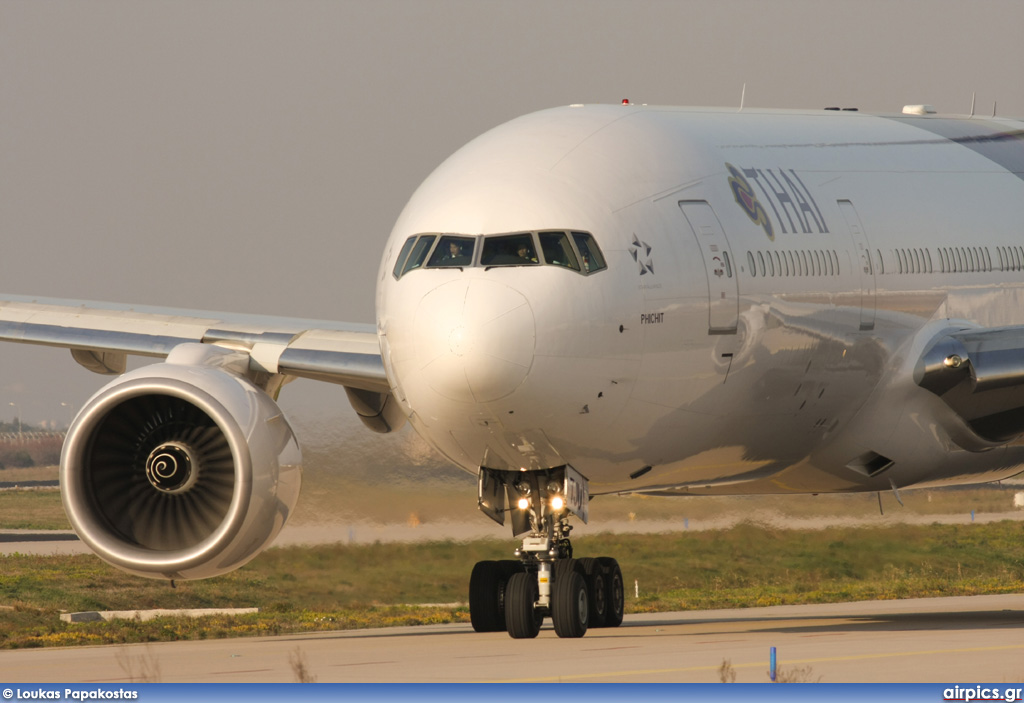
{"points": [[474, 340]]}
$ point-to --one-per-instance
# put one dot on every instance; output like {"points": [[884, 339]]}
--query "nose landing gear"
{"points": [[545, 580], [516, 596]]}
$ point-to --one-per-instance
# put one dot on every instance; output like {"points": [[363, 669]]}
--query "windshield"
{"points": [[509, 250], [452, 251], [576, 251]]}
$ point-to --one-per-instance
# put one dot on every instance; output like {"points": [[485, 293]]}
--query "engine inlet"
{"points": [[160, 472], [180, 470]]}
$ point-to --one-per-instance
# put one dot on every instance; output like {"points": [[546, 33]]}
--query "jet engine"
{"points": [[181, 470]]}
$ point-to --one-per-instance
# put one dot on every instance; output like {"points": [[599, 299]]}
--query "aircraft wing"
{"points": [[188, 469], [102, 335], [978, 372]]}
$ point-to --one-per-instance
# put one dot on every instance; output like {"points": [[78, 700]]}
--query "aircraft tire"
{"points": [[570, 607], [597, 592], [521, 618], [563, 566], [487, 585], [615, 592]]}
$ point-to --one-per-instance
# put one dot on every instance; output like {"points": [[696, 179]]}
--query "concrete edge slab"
{"points": [[107, 615]]}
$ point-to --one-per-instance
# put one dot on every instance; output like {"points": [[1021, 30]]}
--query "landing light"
{"points": [[523, 503], [557, 503]]}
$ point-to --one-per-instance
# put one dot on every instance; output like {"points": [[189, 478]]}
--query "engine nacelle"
{"points": [[181, 470]]}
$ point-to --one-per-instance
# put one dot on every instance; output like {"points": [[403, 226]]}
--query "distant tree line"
{"points": [[12, 427], [32, 446]]}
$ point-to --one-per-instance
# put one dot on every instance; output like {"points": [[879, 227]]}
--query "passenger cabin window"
{"points": [[452, 252], [798, 263]]}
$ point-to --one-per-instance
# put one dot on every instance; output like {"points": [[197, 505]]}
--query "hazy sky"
{"points": [[253, 156]]}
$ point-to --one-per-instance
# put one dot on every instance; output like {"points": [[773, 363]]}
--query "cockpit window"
{"points": [[452, 251], [589, 251], [509, 250], [419, 253], [576, 251], [402, 256], [557, 250]]}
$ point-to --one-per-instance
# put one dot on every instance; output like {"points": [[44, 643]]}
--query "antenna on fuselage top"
{"points": [[743, 95], [974, 96]]}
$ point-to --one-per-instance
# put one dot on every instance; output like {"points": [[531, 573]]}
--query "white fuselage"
{"points": [[772, 279]]}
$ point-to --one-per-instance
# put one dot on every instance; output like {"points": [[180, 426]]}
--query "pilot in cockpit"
{"points": [[454, 251], [525, 252]]}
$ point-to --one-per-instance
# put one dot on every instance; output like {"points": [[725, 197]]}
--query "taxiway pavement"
{"points": [[957, 640]]}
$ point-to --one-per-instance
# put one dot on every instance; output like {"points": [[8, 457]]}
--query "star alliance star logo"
{"points": [[641, 253]]}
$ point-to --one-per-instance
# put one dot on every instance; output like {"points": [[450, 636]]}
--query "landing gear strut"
{"points": [[545, 580]]}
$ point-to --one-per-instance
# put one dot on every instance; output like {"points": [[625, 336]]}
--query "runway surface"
{"points": [[956, 640]]}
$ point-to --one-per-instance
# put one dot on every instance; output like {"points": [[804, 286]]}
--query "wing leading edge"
{"points": [[100, 336]]}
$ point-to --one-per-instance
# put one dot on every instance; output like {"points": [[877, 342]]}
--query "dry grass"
{"points": [[31, 473], [142, 668], [803, 674], [32, 510], [297, 660]]}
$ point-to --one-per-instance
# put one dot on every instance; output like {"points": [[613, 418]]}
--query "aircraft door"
{"points": [[865, 269], [723, 292]]}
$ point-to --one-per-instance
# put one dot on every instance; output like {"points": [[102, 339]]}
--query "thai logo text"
{"points": [[792, 205]]}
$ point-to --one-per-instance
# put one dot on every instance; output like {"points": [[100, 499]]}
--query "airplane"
{"points": [[595, 300]]}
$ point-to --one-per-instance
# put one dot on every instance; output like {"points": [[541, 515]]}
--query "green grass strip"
{"points": [[357, 586]]}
